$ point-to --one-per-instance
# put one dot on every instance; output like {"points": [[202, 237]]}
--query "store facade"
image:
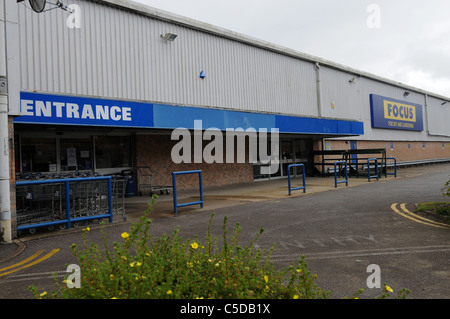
{"points": [[105, 95]]}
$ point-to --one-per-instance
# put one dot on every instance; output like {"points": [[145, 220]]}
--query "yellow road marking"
{"points": [[23, 261], [421, 220], [403, 207], [54, 251]]}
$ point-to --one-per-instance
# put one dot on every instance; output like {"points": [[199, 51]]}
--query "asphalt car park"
{"points": [[341, 231]]}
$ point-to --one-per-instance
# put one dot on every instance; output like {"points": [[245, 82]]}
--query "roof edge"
{"points": [[236, 36]]}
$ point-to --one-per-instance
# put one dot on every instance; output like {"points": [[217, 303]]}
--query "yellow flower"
{"points": [[295, 297], [194, 245], [111, 277], [125, 235], [266, 278], [86, 229], [389, 289], [135, 263], [169, 292], [299, 270], [189, 264], [43, 294]]}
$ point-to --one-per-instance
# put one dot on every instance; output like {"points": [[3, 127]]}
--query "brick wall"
{"points": [[154, 151]]}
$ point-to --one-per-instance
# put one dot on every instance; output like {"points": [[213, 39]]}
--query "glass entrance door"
{"points": [[292, 151], [286, 155]]}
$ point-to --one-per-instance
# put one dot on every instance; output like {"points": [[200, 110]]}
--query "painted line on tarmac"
{"points": [[407, 214], [37, 276], [363, 253], [24, 262]]}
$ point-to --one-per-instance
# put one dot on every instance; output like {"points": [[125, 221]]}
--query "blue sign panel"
{"points": [[395, 114], [73, 110], [40, 108], [169, 116]]}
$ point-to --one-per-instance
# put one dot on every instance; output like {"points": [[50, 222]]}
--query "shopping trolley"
{"points": [[146, 182]]}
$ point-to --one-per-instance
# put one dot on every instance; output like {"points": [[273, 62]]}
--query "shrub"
{"points": [[142, 266], [446, 189]]}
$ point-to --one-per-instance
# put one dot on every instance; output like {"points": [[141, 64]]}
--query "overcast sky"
{"points": [[403, 40]]}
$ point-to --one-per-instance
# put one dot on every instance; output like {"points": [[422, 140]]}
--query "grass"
{"points": [[441, 210]]}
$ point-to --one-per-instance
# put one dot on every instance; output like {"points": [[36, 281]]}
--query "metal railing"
{"points": [[62, 202], [395, 166], [375, 160], [174, 185], [289, 178], [336, 182]]}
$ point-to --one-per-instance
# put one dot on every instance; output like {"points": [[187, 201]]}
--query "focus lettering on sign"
{"points": [[401, 112]]}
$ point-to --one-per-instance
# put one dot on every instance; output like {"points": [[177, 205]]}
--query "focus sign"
{"points": [[395, 114]]}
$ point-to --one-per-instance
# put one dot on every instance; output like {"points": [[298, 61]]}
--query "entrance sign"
{"points": [[74, 110], [56, 109]]}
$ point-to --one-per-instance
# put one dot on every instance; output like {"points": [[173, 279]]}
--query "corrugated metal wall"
{"points": [[119, 54], [438, 116], [349, 94]]}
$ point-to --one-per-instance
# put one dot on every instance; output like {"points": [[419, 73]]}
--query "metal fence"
{"points": [[290, 188], [67, 202], [336, 181], [174, 183]]}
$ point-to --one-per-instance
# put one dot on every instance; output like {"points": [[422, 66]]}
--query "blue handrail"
{"points": [[68, 220], [376, 168], [395, 166], [336, 182], [289, 178], [174, 182]]}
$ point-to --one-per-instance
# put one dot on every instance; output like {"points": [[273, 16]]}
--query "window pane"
{"points": [[38, 154], [112, 151], [75, 154]]}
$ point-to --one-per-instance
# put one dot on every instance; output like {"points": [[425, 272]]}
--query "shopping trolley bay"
{"points": [[46, 202]]}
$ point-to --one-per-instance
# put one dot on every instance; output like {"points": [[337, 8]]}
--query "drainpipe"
{"points": [[319, 104], [319, 95], [5, 199], [425, 113]]}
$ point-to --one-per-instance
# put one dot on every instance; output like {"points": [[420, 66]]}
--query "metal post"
{"points": [[336, 182], [110, 210], [5, 190], [174, 192], [174, 183], [395, 166], [289, 178], [200, 184], [67, 203], [376, 168]]}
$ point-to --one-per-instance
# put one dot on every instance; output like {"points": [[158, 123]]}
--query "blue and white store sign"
{"points": [[395, 114], [40, 108], [71, 110]]}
